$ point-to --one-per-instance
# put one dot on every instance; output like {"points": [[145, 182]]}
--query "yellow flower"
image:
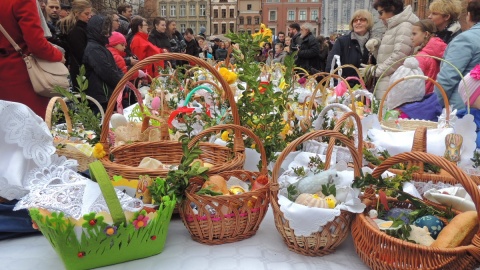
{"points": [[225, 136], [98, 151], [285, 129], [228, 75], [359, 104], [282, 84], [253, 146]]}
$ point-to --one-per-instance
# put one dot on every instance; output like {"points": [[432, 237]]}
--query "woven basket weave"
{"points": [[336, 231], [235, 217], [127, 157], [381, 251]]}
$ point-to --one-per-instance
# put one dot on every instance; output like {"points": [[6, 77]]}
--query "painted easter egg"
{"points": [[433, 224], [397, 212]]}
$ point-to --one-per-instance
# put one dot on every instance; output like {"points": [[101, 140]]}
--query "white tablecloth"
{"points": [[265, 250]]}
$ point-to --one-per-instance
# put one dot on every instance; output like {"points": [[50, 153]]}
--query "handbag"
{"points": [[44, 75]]}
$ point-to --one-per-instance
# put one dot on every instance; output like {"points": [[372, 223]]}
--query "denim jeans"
{"points": [[14, 223]]}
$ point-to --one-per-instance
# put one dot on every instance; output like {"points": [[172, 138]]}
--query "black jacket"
{"points": [[220, 54], [102, 72], [308, 55], [349, 51], [124, 25], [160, 40], [192, 47], [77, 42]]}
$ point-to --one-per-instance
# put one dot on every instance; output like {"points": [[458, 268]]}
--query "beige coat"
{"points": [[395, 45]]}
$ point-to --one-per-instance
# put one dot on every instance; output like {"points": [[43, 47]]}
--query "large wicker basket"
{"points": [[381, 251], [127, 157], [326, 241], [227, 218]]}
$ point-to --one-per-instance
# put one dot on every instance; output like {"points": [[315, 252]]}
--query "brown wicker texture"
{"points": [[381, 251], [335, 232], [127, 157], [234, 217], [410, 124], [81, 158]]}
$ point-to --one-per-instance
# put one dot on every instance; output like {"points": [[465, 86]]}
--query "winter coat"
{"points": [[21, 20], [395, 45], [101, 70], [160, 40], [308, 55], [476, 119], [450, 32], [349, 51], [143, 48], [118, 56], [295, 42], [220, 54], [76, 43], [463, 53], [124, 25], [430, 66]]}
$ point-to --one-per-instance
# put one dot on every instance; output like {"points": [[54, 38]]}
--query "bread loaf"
{"points": [[458, 232], [217, 183]]}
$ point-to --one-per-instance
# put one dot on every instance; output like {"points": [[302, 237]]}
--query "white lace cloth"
{"points": [[26, 144], [307, 220], [58, 188]]}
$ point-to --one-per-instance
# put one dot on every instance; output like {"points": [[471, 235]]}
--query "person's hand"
{"points": [[133, 61], [364, 69], [141, 74], [372, 44]]}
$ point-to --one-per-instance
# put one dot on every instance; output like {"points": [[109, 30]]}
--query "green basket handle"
{"points": [[189, 96], [99, 174]]}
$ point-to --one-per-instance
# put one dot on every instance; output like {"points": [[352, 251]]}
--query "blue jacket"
{"points": [[464, 53], [476, 118]]}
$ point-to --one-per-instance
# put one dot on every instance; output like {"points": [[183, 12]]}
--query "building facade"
{"points": [[249, 16], [223, 16]]}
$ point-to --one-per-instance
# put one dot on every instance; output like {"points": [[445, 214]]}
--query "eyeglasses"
{"points": [[359, 20], [381, 11]]}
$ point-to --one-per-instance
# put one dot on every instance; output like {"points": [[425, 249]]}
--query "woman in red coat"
{"points": [[141, 47], [21, 21]]}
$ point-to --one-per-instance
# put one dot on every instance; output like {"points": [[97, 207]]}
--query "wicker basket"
{"points": [[82, 159], [325, 241], [234, 217], [399, 125], [127, 157], [381, 251]]}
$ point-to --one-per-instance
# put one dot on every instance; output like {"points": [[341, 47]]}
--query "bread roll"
{"points": [[458, 232], [217, 183]]}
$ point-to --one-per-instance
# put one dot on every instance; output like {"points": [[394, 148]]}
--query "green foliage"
{"points": [[292, 192], [316, 165], [476, 159], [392, 185], [329, 189], [300, 171]]}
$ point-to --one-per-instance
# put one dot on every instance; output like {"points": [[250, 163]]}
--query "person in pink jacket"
{"points": [[116, 45], [423, 37]]}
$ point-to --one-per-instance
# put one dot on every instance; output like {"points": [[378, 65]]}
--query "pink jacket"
{"points": [[430, 66], [120, 61]]}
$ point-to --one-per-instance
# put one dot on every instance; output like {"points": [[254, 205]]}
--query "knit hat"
{"points": [[410, 90], [202, 30], [115, 39], [472, 88]]}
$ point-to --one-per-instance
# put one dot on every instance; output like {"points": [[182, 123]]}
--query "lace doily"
{"points": [[27, 145], [60, 189]]}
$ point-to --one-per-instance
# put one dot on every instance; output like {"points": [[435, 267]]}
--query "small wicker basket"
{"points": [[326, 241], [381, 251], [227, 218]]}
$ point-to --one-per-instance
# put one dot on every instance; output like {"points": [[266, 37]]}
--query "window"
{"points": [[291, 15], [314, 1], [232, 27], [415, 5], [224, 13], [313, 15], [249, 20], [173, 12], [183, 9], [291, 1], [257, 20], [272, 15], [302, 15], [249, 7], [192, 25], [241, 20], [183, 27], [193, 10], [223, 1], [224, 28], [232, 13], [249, 31], [163, 11], [303, 1], [202, 10], [215, 13], [269, 1], [215, 29]]}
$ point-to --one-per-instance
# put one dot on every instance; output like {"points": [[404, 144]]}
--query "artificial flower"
{"points": [[98, 151], [225, 136], [110, 230], [228, 75], [359, 104], [140, 222], [475, 73]]}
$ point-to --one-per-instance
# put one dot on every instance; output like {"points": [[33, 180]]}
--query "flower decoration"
{"points": [[91, 220], [226, 136], [340, 89], [98, 151], [359, 104], [110, 230], [264, 32], [140, 221], [228, 75], [475, 72], [302, 81]]}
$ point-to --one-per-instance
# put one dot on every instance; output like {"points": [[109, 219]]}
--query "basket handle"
{"points": [[146, 121], [442, 91], [137, 94], [452, 169], [153, 59], [192, 84], [189, 96], [357, 160], [237, 146], [101, 176], [64, 107]]}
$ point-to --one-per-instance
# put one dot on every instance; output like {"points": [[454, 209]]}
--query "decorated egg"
{"points": [[433, 224], [397, 212]]}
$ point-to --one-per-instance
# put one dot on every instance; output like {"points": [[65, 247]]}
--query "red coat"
{"points": [[118, 56], [21, 21], [142, 48], [430, 66]]}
